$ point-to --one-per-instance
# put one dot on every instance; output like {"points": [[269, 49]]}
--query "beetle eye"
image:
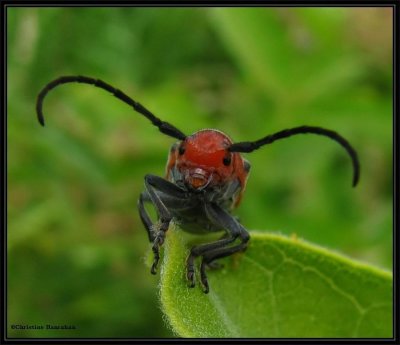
{"points": [[181, 150], [227, 160]]}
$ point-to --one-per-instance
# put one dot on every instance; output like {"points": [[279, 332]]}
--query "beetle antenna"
{"points": [[163, 126], [249, 146]]}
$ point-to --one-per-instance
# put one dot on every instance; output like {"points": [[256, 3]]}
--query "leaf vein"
{"points": [[274, 308]]}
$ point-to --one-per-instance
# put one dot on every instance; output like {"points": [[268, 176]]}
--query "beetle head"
{"points": [[203, 159]]}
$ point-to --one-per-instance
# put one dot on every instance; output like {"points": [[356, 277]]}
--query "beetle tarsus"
{"points": [[154, 267], [156, 259], [203, 276], [190, 271], [158, 242], [190, 278]]}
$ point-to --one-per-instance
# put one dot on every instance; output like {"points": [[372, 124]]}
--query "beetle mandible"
{"points": [[205, 180]]}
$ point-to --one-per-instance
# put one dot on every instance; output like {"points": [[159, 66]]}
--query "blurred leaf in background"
{"points": [[76, 246]]}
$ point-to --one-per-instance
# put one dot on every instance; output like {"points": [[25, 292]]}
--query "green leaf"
{"points": [[279, 288]]}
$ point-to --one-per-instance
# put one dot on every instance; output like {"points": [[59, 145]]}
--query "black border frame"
{"points": [[204, 3]]}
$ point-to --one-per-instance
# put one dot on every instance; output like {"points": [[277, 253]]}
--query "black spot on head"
{"points": [[227, 160]]}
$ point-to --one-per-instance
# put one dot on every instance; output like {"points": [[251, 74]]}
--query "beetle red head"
{"points": [[203, 158]]}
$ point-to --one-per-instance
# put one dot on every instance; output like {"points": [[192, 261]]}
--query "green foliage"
{"points": [[76, 243], [280, 288]]}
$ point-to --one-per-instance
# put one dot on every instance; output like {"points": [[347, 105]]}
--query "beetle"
{"points": [[206, 176]]}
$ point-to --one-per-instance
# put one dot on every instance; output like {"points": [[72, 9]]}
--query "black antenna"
{"points": [[249, 146], [163, 126]]}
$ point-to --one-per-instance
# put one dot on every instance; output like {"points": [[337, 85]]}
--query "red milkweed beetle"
{"points": [[205, 179]]}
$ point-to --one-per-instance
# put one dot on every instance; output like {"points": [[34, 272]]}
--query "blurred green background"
{"points": [[76, 247]]}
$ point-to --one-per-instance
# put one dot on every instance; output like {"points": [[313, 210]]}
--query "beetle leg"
{"points": [[200, 250], [228, 222], [157, 233], [164, 186], [212, 255], [168, 201], [144, 216], [220, 248]]}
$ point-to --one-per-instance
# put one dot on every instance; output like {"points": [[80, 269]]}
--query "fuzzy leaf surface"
{"points": [[280, 287]]}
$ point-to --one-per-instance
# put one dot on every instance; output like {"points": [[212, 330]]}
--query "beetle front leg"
{"points": [[218, 249], [173, 195], [151, 229], [200, 250], [144, 216], [151, 183], [219, 216], [218, 253]]}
